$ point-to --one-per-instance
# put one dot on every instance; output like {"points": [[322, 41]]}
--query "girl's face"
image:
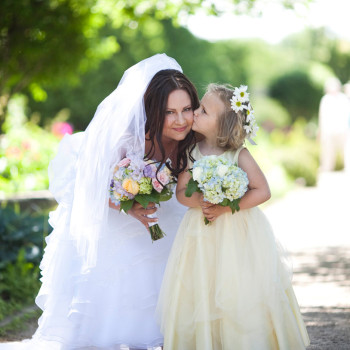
{"points": [[178, 116], [205, 119]]}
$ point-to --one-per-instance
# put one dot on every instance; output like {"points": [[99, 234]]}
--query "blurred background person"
{"points": [[333, 124]]}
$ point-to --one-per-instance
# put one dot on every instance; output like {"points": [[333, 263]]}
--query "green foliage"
{"points": [[21, 248], [19, 281], [25, 152], [340, 60], [21, 230], [288, 156], [302, 159], [234, 204], [145, 199], [301, 166], [37, 38], [18, 323], [191, 187], [47, 41], [270, 113], [320, 45], [219, 62], [126, 205], [297, 93], [50, 42]]}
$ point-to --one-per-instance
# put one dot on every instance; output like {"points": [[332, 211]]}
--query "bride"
{"points": [[101, 273]]}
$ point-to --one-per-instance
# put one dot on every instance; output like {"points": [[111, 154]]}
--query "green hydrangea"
{"points": [[145, 185]]}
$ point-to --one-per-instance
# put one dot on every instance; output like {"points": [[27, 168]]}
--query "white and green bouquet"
{"points": [[220, 181]]}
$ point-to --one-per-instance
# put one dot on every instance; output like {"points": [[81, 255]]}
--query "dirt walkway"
{"points": [[314, 224]]}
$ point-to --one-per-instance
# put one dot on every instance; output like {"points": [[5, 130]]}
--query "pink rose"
{"points": [[163, 177], [124, 162], [157, 185]]}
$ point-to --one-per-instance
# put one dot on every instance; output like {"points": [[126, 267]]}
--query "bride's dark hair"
{"points": [[156, 99]]}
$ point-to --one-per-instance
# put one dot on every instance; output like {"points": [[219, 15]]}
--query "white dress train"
{"points": [[110, 306]]}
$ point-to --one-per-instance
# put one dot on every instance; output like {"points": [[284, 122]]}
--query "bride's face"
{"points": [[178, 116]]}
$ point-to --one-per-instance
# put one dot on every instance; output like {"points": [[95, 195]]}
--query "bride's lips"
{"points": [[180, 129]]}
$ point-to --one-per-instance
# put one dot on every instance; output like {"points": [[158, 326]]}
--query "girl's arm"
{"points": [[195, 200], [258, 188]]}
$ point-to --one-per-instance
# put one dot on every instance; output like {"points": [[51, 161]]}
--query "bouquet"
{"points": [[137, 180], [220, 181]]}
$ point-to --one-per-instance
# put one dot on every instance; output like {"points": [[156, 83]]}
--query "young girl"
{"points": [[225, 285]]}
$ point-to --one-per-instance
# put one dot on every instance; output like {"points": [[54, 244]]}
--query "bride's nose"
{"points": [[196, 112]]}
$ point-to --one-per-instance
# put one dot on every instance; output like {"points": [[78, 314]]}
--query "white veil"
{"points": [[117, 128]]}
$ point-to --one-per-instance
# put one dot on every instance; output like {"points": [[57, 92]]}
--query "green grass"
{"points": [[18, 323]]}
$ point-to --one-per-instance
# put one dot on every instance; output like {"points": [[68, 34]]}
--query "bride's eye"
{"points": [[169, 112]]}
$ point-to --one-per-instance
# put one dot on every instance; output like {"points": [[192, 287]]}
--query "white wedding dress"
{"points": [[112, 306], [101, 273]]}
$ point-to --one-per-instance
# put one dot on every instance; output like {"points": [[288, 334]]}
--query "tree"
{"points": [[44, 40], [220, 62], [47, 41], [339, 60], [321, 45], [297, 93]]}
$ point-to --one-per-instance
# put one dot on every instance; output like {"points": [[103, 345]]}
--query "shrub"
{"points": [[21, 248], [19, 282], [270, 113], [298, 94], [299, 153], [21, 231], [288, 156], [25, 152]]}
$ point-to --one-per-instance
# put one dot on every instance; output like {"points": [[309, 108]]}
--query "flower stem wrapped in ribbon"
{"points": [[220, 181], [141, 181]]}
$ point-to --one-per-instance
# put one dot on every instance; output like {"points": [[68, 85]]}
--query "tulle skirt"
{"points": [[111, 306], [227, 286]]}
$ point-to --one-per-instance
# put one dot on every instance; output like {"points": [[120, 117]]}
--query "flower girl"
{"points": [[226, 285]]}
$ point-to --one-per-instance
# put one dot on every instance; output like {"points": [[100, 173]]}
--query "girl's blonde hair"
{"points": [[231, 133]]}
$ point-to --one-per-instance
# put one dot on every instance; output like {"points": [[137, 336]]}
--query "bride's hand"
{"points": [[139, 213]]}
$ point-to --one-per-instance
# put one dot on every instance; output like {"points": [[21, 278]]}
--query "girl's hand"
{"points": [[203, 203], [213, 211], [140, 214]]}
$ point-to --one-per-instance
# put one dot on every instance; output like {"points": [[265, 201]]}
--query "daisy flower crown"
{"points": [[240, 102]]}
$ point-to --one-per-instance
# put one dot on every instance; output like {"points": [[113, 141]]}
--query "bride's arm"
{"points": [[195, 200]]}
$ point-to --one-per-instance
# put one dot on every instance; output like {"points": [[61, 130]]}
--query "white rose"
{"points": [[222, 170], [197, 172]]}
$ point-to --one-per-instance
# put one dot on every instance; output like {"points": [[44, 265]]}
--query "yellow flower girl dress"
{"points": [[227, 285]]}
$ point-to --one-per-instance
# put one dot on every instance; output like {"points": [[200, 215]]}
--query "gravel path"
{"points": [[314, 224]]}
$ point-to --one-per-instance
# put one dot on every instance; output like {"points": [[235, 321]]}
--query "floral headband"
{"points": [[239, 102]]}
